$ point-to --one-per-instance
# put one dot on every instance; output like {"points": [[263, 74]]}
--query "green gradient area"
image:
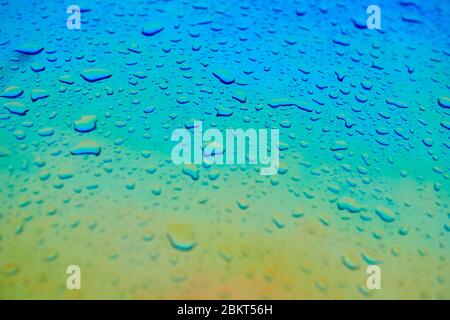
{"points": [[364, 150]]}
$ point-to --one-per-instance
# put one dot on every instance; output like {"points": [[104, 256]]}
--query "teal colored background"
{"points": [[141, 227]]}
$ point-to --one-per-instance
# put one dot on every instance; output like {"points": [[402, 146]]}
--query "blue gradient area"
{"points": [[86, 175]]}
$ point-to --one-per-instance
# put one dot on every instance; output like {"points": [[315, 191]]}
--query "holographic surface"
{"points": [[86, 176]]}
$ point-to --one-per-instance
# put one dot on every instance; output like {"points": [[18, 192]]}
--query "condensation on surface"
{"points": [[86, 176]]}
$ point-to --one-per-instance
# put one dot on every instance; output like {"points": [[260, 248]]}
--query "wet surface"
{"points": [[85, 151]]}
